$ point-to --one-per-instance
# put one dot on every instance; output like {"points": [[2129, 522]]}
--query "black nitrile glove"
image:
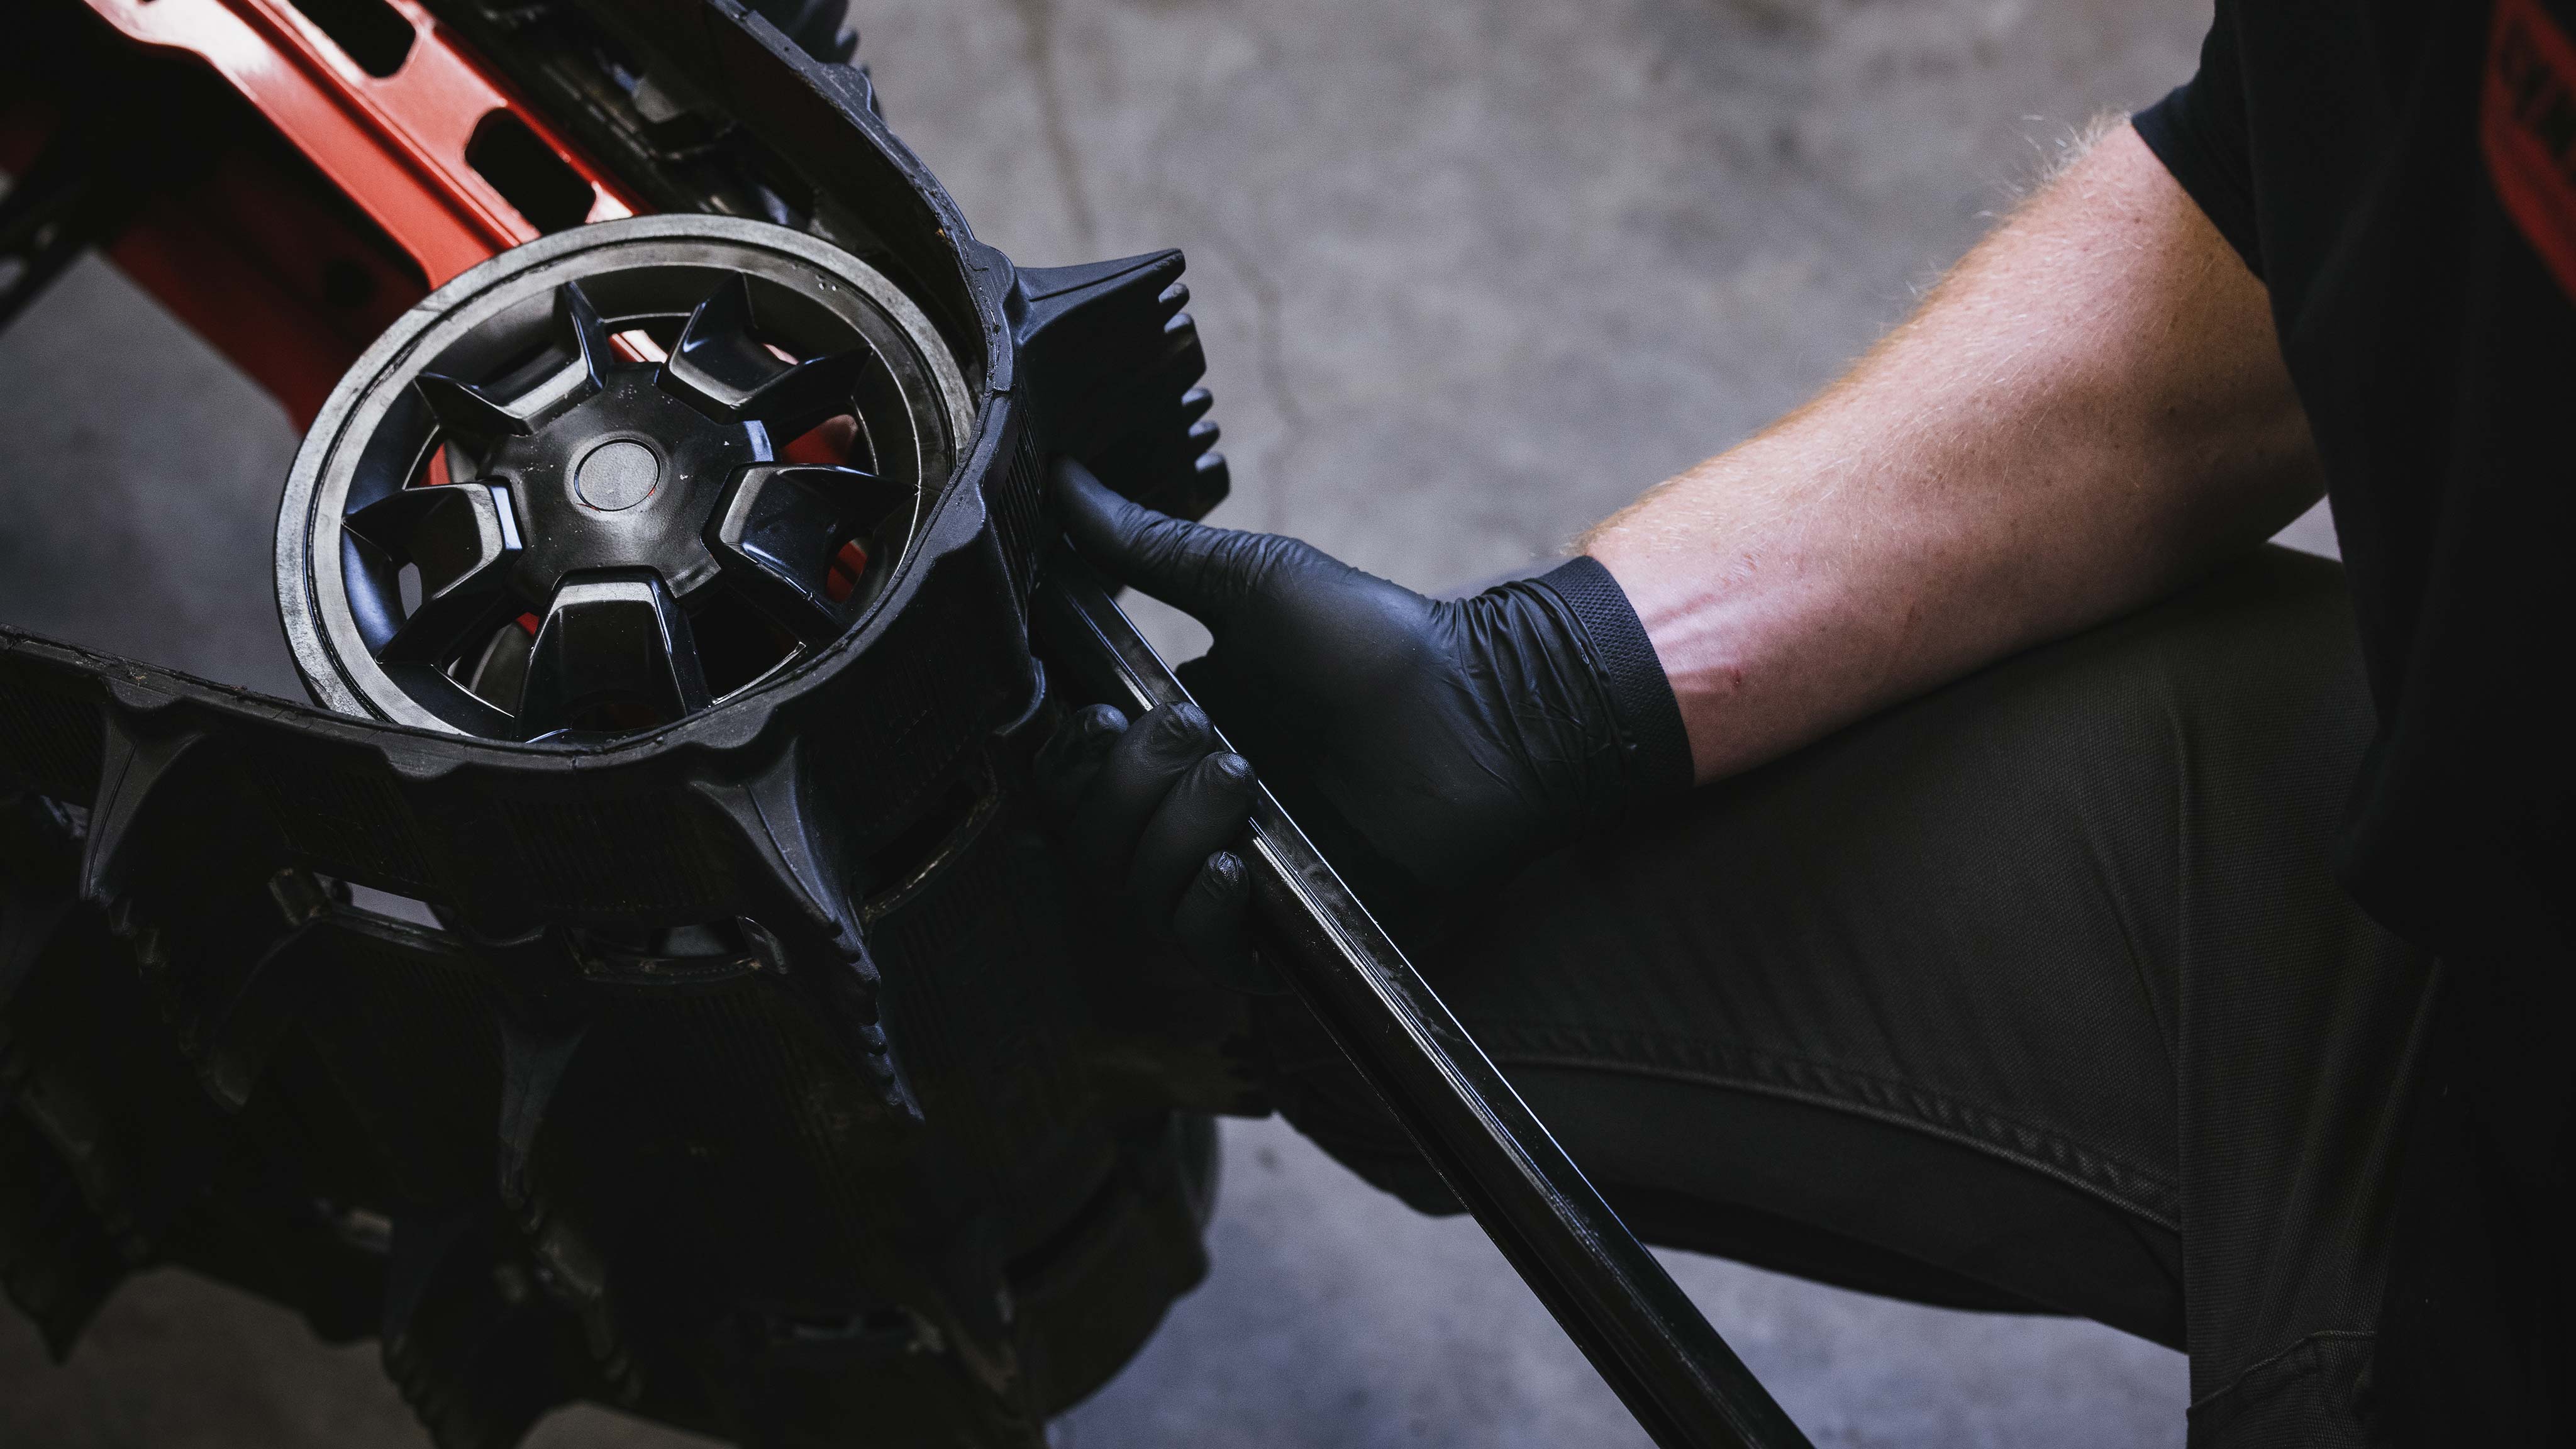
{"points": [[1148, 813], [1454, 740]]}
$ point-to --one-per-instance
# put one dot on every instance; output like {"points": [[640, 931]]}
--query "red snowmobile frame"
{"points": [[401, 147]]}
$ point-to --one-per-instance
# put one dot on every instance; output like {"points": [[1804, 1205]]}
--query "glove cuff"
{"points": [[1652, 740]]}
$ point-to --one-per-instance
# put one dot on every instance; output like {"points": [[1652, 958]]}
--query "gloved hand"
{"points": [[1148, 812], [1452, 741]]}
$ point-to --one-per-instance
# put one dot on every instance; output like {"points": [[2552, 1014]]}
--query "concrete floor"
{"points": [[1471, 273]]}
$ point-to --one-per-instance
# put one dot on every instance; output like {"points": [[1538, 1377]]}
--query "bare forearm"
{"points": [[2087, 412]]}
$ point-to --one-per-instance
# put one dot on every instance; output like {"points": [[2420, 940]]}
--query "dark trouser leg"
{"points": [[2033, 993]]}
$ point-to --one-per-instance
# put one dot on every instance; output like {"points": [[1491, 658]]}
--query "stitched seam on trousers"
{"points": [[2119, 1184], [2213, 1413]]}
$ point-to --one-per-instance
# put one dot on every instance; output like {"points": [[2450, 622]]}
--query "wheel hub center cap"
{"points": [[617, 475]]}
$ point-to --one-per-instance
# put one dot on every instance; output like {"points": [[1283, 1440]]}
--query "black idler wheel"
{"points": [[612, 478]]}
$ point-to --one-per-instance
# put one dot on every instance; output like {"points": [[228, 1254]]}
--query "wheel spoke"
{"points": [[468, 413], [614, 653], [479, 419], [719, 369], [805, 394], [441, 625], [716, 364], [462, 540], [776, 532], [499, 673], [579, 321]]}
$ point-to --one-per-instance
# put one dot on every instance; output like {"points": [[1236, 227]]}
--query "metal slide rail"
{"points": [[1652, 1344]]}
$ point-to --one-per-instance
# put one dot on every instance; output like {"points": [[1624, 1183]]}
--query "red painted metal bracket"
{"points": [[395, 145]]}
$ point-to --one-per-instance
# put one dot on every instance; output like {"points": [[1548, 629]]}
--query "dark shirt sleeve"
{"points": [[2199, 133]]}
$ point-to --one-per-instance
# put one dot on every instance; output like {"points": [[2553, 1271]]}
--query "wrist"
{"points": [[1653, 748]]}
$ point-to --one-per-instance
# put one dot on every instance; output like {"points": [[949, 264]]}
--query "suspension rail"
{"points": [[1644, 1336]]}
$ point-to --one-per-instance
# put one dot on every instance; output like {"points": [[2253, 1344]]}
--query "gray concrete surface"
{"points": [[1471, 272]]}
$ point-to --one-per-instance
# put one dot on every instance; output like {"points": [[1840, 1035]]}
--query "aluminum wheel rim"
{"points": [[907, 398]]}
